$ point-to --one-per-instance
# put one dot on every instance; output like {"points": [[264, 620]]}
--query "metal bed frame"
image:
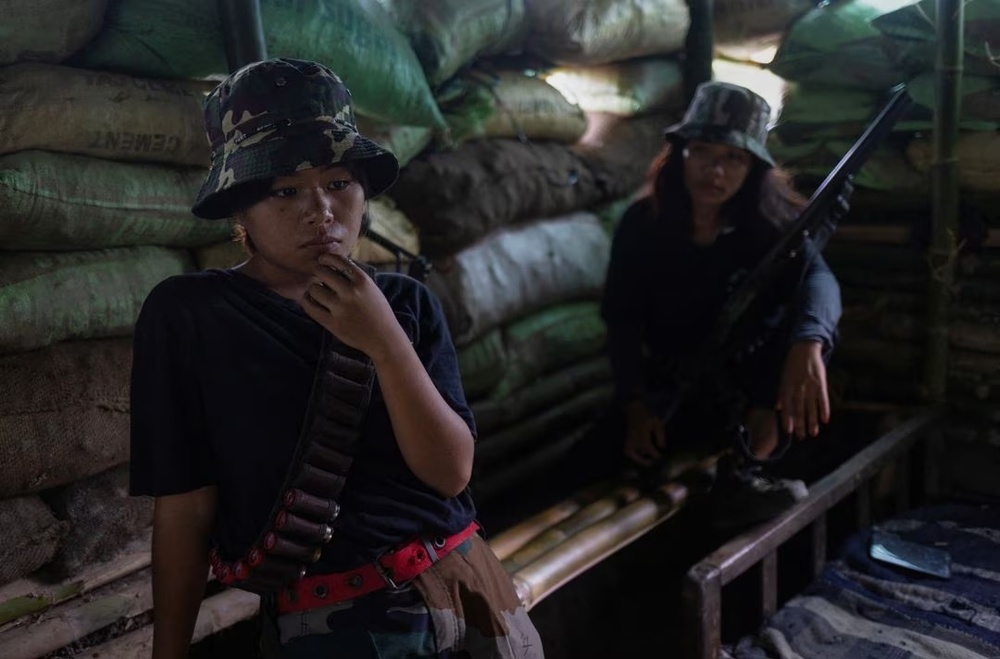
{"points": [[703, 584]]}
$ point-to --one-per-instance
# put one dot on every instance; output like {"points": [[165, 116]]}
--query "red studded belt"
{"points": [[390, 569]]}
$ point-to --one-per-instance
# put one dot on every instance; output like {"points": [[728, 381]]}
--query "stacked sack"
{"points": [[102, 152], [841, 59], [884, 292], [554, 116], [96, 175]]}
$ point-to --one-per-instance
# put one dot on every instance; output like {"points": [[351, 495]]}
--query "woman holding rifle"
{"points": [[715, 204]]}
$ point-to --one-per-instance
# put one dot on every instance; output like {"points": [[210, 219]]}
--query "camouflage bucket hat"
{"points": [[726, 114], [277, 117]]}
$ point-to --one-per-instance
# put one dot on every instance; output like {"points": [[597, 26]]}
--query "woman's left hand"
{"points": [[803, 400], [346, 301]]}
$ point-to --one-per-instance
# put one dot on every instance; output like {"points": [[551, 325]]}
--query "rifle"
{"points": [[818, 219], [419, 266]]}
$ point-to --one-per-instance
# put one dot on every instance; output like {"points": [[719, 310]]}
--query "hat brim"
{"points": [[684, 132], [286, 154]]}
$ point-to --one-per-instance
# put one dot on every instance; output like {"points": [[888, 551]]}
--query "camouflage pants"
{"points": [[463, 607]]}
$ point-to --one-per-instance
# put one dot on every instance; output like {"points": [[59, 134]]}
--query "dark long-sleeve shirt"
{"points": [[663, 293]]}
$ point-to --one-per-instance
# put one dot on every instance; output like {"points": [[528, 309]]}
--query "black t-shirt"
{"points": [[664, 292], [221, 376]]}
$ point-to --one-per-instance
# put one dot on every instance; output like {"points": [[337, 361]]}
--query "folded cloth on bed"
{"points": [[859, 608]]}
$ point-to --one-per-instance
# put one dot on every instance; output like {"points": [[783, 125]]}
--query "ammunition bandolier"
{"points": [[301, 521]]}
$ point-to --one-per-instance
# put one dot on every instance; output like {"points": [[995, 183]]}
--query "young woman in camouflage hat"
{"points": [[715, 205], [350, 515]]}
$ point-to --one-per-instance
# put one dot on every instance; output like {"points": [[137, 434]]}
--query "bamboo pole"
{"points": [[68, 624], [944, 194], [699, 46], [217, 613], [584, 518], [29, 596], [506, 543], [243, 32], [567, 560]]}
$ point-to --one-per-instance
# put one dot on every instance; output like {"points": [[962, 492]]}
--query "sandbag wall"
{"points": [[102, 152], [524, 129], [96, 176], [549, 140], [840, 61]]}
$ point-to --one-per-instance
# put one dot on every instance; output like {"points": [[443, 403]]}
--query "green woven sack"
{"points": [[448, 34], [356, 38], [914, 28], [51, 201], [482, 364], [47, 30], [548, 340], [836, 44], [51, 297]]}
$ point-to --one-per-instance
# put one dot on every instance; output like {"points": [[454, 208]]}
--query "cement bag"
{"points": [[90, 113], [103, 519], [914, 28], [448, 34], [978, 159], [64, 413], [980, 99], [513, 443], [355, 38], [813, 113], [405, 142], [52, 201], [50, 297], [389, 222], [518, 271], [587, 32], [836, 44], [457, 197], [549, 340], [543, 393], [886, 170], [509, 104], [618, 151], [737, 21], [482, 364], [31, 536], [47, 30], [626, 89]]}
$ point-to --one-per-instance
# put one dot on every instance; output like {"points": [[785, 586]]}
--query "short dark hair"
{"points": [[248, 194]]}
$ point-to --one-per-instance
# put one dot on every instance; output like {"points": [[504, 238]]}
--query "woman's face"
{"points": [[306, 214], [713, 173]]}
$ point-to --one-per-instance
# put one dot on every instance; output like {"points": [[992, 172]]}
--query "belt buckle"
{"points": [[385, 573]]}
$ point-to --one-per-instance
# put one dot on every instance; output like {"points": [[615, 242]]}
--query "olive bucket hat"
{"points": [[277, 117], [724, 113]]}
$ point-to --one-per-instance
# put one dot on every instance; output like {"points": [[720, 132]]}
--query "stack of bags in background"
{"points": [[97, 172], [553, 123], [524, 129], [840, 61]]}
